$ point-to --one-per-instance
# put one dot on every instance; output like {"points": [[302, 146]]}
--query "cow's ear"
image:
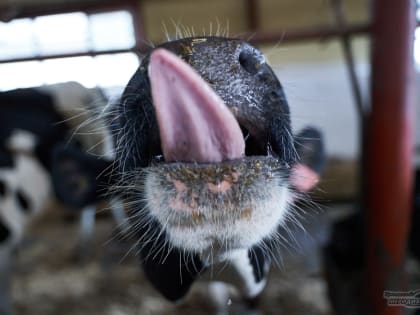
{"points": [[310, 147], [80, 179]]}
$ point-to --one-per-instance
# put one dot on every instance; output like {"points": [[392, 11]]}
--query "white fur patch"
{"points": [[223, 229], [29, 177], [22, 141], [235, 269]]}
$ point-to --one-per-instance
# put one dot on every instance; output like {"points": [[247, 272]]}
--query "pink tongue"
{"points": [[194, 123]]}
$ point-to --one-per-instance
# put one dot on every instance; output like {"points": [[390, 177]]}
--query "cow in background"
{"points": [[36, 126]]}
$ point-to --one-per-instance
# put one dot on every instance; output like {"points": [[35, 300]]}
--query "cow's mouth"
{"points": [[208, 185]]}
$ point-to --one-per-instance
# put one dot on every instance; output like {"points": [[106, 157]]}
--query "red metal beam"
{"points": [[389, 150]]}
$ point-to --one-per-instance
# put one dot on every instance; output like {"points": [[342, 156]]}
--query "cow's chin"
{"points": [[218, 207]]}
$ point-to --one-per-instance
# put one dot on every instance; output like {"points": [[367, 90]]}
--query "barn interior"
{"points": [[349, 68]]}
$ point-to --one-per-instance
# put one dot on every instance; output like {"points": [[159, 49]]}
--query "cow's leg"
{"points": [[86, 229], [5, 280], [117, 210]]}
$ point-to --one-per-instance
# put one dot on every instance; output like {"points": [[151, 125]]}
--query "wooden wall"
{"points": [[274, 15]]}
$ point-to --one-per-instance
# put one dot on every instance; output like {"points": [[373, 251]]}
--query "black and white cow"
{"points": [[208, 163], [33, 123], [36, 126]]}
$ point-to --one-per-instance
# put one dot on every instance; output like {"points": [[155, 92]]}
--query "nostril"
{"points": [[250, 60], [276, 95]]}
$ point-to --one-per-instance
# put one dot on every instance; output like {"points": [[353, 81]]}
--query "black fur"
{"points": [[414, 243], [2, 189], [4, 233], [170, 270], [80, 179], [259, 262], [32, 111], [311, 150], [23, 201], [138, 125]]}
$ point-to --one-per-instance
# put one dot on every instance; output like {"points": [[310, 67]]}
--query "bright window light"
{"points": [[417, 38], [62, 33], [106, 71], [65, 34], [16, 39], [418, 10], [20, 75], [115, 70], [112, 30], [417, 47], [78, 69]]}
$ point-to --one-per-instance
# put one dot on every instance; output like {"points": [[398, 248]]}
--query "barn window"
{"points": [[417, 46], [417, 37], [93, 49]]}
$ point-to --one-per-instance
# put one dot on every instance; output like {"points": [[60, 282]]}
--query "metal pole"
{"points": [[340, 18], [389, 150]]}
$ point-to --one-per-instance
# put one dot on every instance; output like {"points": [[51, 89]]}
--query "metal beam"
{"points": [[313, 33], [137, 50], [341, 23], [389, 150], [257, 38], [16, 11]]}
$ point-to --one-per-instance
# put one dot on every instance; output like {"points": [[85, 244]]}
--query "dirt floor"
{"points": [[49, 279]]}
